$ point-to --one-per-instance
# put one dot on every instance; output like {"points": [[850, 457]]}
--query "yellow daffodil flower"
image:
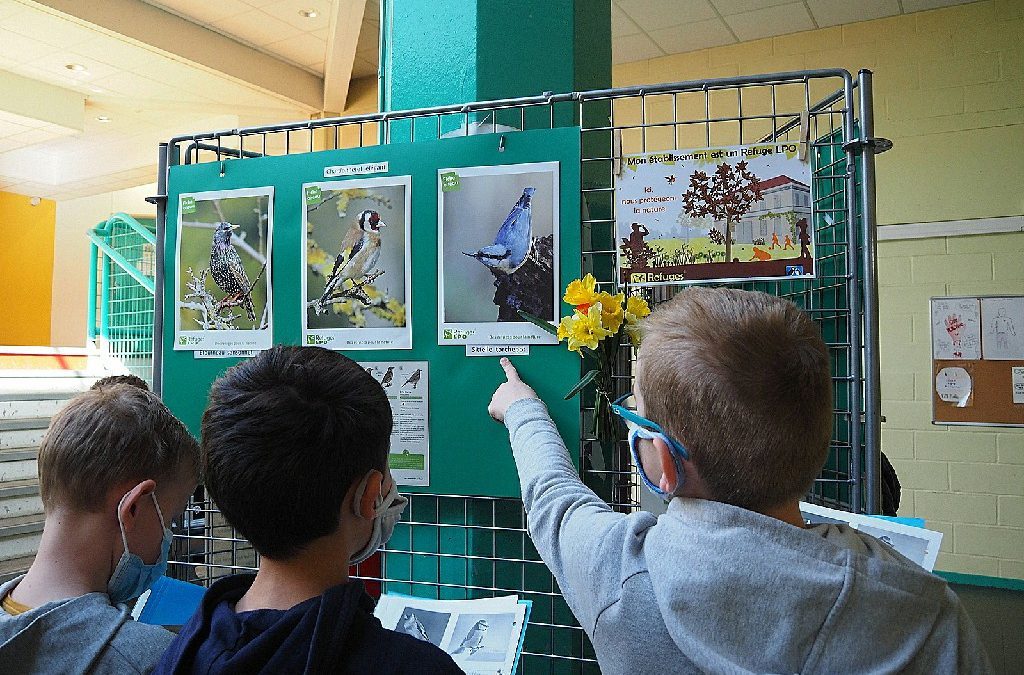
{"points": [[580, 292], [585, 330], [611, 310], [636, 309]]}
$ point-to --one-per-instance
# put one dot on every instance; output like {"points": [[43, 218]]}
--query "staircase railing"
{"points": [[122, 271]]}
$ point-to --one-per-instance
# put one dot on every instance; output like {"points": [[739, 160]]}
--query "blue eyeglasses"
{"points": [[641, 427]]}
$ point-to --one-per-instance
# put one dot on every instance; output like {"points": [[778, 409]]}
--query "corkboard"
{"points": [[991, 399]]}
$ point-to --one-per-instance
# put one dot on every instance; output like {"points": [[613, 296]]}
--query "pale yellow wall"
{"points": [[949, 91], [26, 267], [967, 482], [71, 256]]}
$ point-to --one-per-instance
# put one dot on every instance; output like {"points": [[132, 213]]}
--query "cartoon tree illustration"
{"points": [[725, 195]]}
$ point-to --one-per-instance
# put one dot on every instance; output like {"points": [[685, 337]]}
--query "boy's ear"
{"points": [[670, 478], [366, 506], [128, 503]]}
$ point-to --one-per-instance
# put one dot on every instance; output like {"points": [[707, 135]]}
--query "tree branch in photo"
{"points": [[211, 311], [353, 298]]}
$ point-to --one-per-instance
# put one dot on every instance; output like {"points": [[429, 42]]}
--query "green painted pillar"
{"points": [[444, 52], [441, 52]]}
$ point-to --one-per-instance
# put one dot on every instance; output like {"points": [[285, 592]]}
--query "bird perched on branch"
{"points": [[360, 250], [388, 376], [228, 272], [512, 243], [474, 640]]}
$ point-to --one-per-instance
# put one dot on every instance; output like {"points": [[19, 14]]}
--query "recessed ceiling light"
{"points": [[96, 90], [309, 13], [77, 67], [102, 118]]}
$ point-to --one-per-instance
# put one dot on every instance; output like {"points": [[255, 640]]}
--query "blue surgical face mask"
{"points": [[132, 577], [641, 428]]}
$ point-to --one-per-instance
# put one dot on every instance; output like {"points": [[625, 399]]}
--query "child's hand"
{"points": [[509, 392]]}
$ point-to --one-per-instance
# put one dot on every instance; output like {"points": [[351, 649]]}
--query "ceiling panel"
{"points": [[836, 12], [921, 5], [635, 48], [740, 6], [691, 36], [777, 20], [655, 14]]}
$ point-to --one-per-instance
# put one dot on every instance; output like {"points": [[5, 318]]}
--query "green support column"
{"points": [[444, 52]]}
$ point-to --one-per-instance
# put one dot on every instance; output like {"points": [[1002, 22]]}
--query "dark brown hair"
{"points": [[133, 380], [284, 437], [115, 434], [743, 380]]}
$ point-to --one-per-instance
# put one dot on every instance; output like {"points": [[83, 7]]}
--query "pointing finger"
{"points": [[510, 371]]}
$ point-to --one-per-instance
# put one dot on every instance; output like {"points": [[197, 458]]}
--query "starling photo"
{"points": [[388, 376], [227, 271]]}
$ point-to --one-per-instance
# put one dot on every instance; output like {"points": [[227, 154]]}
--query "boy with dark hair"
{"points": [[114, 468], [295, 454], [731, 422]]}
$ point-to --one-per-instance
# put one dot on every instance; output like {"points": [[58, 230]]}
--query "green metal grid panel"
{"points": [[123, 259], [458, 546]]}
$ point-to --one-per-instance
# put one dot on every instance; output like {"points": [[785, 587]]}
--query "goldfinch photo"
{"points": [[356, 264]]}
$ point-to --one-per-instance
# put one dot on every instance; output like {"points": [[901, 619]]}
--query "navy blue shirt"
{"points": [[332, 633]]}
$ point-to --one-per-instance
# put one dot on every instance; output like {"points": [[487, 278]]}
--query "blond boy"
{"points": [[114, 468], [731, 424]]}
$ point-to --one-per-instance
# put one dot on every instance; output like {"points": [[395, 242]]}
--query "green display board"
{"points": [[469, 453]]}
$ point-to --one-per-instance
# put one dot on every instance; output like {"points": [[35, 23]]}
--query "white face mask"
{"points": [[387, 511]]}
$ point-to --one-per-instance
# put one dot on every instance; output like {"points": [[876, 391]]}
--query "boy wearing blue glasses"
{"points": [[731, 423]]}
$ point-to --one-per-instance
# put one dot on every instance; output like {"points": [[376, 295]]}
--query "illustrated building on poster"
{"points": [[784, 201]]}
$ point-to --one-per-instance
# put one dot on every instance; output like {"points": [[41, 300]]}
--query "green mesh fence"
{"points": [[463, 546], [122, 272]]}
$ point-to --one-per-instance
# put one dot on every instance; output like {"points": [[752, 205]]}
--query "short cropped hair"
{"points": [[133, 380], [110, 436], [284, 437], [743, 380]]}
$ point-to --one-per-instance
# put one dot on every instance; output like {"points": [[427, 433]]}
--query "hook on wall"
{"points": [[222, 168], [501, 143]]}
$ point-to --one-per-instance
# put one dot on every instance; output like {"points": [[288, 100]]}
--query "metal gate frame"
{"points": [[459, 546]]}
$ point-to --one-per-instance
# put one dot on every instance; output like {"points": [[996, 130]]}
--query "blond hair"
{"points": [[743, 380], [109, 436]]}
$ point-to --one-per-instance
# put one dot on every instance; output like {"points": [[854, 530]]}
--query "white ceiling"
{"points": [[277, 28], [647, 29], [148, 93]]}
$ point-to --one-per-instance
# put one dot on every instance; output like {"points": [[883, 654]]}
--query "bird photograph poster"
{"points": [[724, 213], [497, 253], [222, 271], [356, 270]]}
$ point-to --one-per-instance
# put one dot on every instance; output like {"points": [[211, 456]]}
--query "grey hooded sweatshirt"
{"points": [[709, 587], [78, 635]]}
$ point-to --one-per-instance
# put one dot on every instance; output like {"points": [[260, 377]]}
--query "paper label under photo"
{"points": [[1002, 328], [956, 328], [497, 350], [356, 264], [953, 385], [222, 273], [224, 353], [407, 386], [498, 249]]}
